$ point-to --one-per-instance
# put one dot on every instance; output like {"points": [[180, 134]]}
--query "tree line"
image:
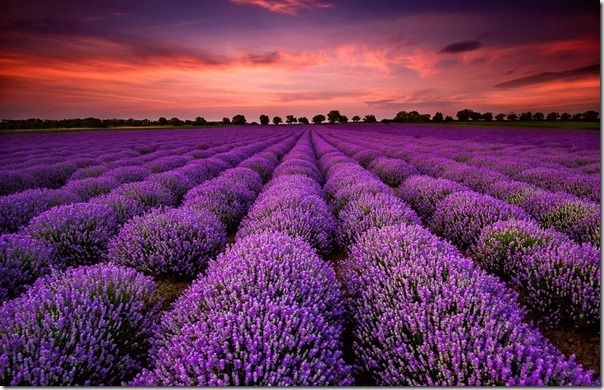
{"points": [[333, 116]]}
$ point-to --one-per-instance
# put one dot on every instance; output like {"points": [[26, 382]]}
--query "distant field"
{"points": [[548, 124]]}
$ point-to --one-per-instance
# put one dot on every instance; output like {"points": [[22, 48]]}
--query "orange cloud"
{"points": [[290, 7]]}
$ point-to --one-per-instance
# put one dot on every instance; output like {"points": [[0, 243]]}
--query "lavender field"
{"points": [[360, 254]]}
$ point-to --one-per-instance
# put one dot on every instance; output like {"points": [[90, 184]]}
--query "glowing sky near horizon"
{"points": [[216, 58]]}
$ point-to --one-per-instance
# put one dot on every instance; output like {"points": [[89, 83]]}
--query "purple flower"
{"points": [[87, 326], [372, 211], [461, 216], [172, 243], [423, 193], [391, 171], [267, 312], [78, 233], [91, 187], [501, 245], [23, 259], [423, 315], [127, 174], [17, 210], [563, 283], [177, 183]]}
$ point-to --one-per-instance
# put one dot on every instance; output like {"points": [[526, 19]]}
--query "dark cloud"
{"points": [[544, 77], [460, 47]]}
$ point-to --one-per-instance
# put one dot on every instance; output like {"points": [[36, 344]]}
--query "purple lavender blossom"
{"points": [[172, 243], [267, 312], [78, 233], [23, 259], [87, 326]]}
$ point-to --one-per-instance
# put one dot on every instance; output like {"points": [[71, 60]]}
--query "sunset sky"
{"points": [[216, 58]]}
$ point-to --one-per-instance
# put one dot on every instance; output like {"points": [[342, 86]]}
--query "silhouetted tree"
{"points": [[565, 116], [162, 121], [317, 119], [226, 121], [538, 116], [487, 116], [475, 116], [277, 120], [254, 123], [290, 119], [464, 115], [499, 117], [577, 117], [264, 119], [356, 118], [333, 116], [448, 118], [369, 118], [175, 122], [401, 116], [200, 121], [512, 117], [238, 120], [553, 116], [591, 116], [343, 119], [303, 120], [526, 116], [438, 117]]}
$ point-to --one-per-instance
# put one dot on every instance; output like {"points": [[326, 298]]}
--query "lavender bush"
{"points": [[87, 326], [172, 243]]}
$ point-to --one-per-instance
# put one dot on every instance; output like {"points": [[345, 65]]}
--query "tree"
{"points": [[317, 119], [553, 116], [200, 121], [175, 122], [238, 120], [303, 120], [162, 121], [333, 116], [475, 116], [226, 121], [526, 116], [538, 116], [277, 120], [487, 116], [438, 117], [424, 118], [290, 119], [500, 117], [591, 116], [577, 117], [356, 118], [464, 115], [264, 119], [343, 119], [369, 118], [512, 117], [565, 116], [448, 118], [401, 116]]}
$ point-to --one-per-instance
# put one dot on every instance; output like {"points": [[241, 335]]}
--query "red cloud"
{"points": [[289, 7]]}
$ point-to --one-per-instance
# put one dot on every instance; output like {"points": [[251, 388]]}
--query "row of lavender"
{"points": [[559, 279], [421, 313]]}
